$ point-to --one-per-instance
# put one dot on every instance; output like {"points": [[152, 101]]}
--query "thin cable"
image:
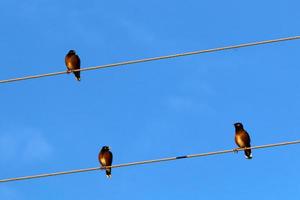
{"points": [[155, 58], [149, 161]]}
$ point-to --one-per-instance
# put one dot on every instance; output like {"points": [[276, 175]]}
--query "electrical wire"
{"points": [[155, 58], [149, 161]]}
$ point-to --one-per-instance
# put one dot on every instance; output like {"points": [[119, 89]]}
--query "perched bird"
{"points": [[105, 158], [242, 139], [73, 62]]}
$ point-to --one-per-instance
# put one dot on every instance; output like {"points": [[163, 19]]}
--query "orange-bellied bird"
{"points": [[105, 158], [242, 139], [73, 62]]}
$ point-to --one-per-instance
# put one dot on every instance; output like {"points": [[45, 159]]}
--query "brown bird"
{"points": [[242, 139], [73, 62], [105, 158]]}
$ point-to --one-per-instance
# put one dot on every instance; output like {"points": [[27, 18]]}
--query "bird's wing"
{"points": [[247, 138], [108, 157], [76, 61], [111, 157]]}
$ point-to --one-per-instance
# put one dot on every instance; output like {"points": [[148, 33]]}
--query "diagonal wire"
{"points": [[149, 161], [156, 58]]}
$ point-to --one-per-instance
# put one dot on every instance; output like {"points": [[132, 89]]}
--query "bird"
{"points": [[242, 139], [72, 62], [105, 158]]}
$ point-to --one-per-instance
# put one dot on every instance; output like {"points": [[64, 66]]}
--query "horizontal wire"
{"points": [[148, 161], [155, 58]]}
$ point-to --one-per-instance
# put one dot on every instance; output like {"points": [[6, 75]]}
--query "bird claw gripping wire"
{"points": [[236, 150]]}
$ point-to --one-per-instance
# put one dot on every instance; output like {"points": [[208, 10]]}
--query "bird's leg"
{"points": [[236, 150], [69, 71], [102, 167]]}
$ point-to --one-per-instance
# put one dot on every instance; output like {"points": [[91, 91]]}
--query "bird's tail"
{"points": [[248, 154], [108, 173], [77, 75]]}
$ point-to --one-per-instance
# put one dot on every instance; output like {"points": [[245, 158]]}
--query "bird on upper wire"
{"points": [[72, 62], [242, 139], [105, 158]]}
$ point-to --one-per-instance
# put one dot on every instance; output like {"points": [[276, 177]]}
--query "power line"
{"points": [[149, 161], [156, 58]]}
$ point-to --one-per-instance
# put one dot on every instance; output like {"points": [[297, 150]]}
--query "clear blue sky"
{"points": [[150, 110]]}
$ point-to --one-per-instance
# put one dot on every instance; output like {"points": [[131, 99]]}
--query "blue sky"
{"points": [[149, 110]]}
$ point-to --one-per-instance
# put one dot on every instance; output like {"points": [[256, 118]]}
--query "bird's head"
{"points": [[72, 52], [238, 125], [106, 148]]}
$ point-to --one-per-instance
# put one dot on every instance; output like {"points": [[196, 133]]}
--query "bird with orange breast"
{"points": [[72, 62], [242, 139], [105, 158]]}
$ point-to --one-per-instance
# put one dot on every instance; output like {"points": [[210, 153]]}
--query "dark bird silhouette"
{"points": [[105, 158], [242, 139], [73, 62]]}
